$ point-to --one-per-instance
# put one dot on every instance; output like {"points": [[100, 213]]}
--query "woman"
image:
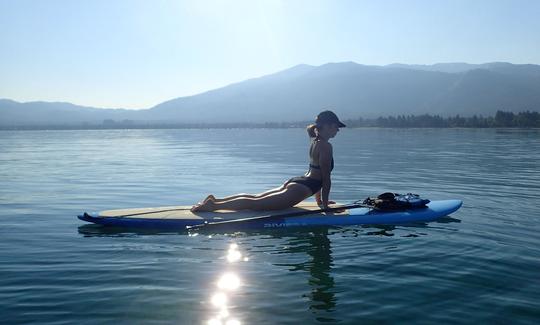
{"points": [[295, 190]]}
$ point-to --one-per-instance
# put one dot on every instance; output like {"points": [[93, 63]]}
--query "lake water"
{"points": [[481, 265]]}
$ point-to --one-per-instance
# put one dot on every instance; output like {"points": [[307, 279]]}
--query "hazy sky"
{"points": [[138, 53]]}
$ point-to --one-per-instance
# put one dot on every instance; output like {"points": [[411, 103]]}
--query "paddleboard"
{"points": [[303, 214]]}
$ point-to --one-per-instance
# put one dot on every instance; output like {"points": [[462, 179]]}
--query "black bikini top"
{"points": [[319, 167], [314, 166]]}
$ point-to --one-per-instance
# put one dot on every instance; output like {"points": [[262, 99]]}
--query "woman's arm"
{"points": [[325, 161], [318, 199]]}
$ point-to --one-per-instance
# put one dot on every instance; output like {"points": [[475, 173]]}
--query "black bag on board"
{"points": [[396, 202]]}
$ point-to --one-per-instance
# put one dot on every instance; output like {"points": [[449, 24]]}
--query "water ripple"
{"points": [[479, 265]]}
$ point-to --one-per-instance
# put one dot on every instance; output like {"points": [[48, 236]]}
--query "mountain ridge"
{"points": [[352, 90]]}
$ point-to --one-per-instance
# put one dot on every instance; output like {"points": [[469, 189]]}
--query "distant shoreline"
{"points": [[501, 119], [63, 128]]}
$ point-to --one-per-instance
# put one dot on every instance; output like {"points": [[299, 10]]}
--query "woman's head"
{"points": [[326, 125]]}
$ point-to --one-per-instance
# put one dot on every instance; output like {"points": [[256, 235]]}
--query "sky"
{"points": [[138, 53]]}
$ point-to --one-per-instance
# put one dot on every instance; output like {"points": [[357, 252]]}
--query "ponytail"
{"points": [[312, 130]]}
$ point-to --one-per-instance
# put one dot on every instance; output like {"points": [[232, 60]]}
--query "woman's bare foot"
{"points": [[206, 205], [195, 207]]}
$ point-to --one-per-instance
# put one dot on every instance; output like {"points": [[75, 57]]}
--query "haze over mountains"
{"points": [[297, 94]]}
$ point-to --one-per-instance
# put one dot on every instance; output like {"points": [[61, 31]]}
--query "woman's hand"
{"points": [[320, 203]]}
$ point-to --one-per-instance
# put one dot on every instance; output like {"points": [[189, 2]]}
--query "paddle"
{"points": [[246, 222], [150, 212]]}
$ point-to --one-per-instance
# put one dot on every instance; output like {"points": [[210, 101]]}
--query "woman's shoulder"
{"points": [[323, 145]]}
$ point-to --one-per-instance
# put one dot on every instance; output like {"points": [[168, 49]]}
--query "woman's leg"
{"points": [[247, 196], [289, 196]]}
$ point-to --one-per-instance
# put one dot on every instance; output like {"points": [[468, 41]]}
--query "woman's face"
{"points": [[329, 130]]}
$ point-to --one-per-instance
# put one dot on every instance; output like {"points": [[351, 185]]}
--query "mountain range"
{"points": [[297, 94]]}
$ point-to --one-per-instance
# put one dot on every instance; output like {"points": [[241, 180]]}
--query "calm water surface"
{"points": [[479, 265]]}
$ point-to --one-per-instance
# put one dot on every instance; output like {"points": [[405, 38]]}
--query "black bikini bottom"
{"points": [[314, 184]]}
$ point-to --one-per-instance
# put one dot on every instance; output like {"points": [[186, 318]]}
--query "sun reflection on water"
{"points": [[227, 284], [219, 299], [229, 281]]}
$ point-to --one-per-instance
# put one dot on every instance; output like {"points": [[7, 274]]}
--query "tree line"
{"points": [[501, 119]]}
